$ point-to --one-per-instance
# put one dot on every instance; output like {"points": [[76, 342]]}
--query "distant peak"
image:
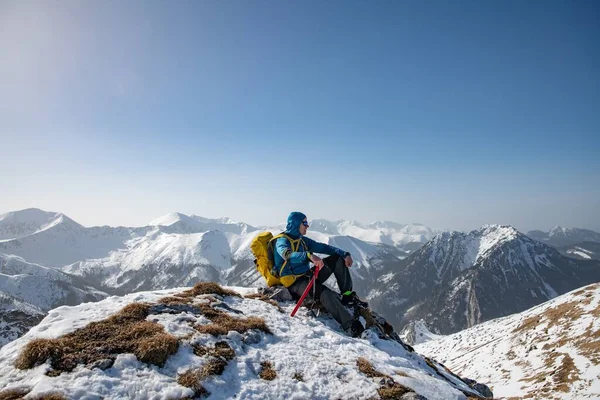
{"points": [[169, 219]]}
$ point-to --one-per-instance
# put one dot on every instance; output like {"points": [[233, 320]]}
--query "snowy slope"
{"points": [[16, 318], [417, 332], [311, 358], [29, 290], [551, 351]]}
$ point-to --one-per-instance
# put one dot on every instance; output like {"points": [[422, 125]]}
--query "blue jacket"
{"points": [[298, 261]]}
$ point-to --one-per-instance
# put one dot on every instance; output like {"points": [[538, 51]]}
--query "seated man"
{"points": [[291, 263]]}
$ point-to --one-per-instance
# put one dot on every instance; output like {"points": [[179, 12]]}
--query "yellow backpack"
{"points": [[262, 248]]}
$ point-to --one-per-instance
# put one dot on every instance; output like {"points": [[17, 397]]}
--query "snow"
{"points": [[504, 355], [385, 232], [39, 286], [169, 219], [314, 347], [17, 224], [580, 252]]}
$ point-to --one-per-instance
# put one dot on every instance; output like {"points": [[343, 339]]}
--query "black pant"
{"points": [[329, 299]]}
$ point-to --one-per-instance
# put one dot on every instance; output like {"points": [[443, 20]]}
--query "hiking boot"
{"points": [[355, 329], [352, 300]]}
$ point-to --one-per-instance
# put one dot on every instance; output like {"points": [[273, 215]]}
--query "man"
{"points": [[291, 260]]}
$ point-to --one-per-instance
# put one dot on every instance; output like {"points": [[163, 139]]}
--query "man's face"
{"points": [[303, 227]]}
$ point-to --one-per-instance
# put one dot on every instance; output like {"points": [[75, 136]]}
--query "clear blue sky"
{"points": [[449, 113]]}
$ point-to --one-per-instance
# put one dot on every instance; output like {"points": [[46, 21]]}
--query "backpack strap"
{"points": [[294, 243]]}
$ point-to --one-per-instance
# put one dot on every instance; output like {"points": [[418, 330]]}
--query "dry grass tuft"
{"points": [[222, 323], [224, 350], [266, 299], [124, 332], [13, 394], [214, 366], [175, 300], [192, 379], [298, 376], [267, 372], [393, 391], [566, 374], [366, 368], [208, 288], [135, 311], [19, 394]]}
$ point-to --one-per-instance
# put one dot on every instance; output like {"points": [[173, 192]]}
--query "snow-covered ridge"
{"points": [[475, 245], [548, 351], [16, 224], [311, 357], [386, 232]]}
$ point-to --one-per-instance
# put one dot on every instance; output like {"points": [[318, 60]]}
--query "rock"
{"points": [[484, 390]]}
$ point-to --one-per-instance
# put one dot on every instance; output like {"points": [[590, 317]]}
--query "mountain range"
{"points": [[451, 280], [458, 280]]}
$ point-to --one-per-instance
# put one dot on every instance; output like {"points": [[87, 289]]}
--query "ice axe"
{"points": [[310, 284]]}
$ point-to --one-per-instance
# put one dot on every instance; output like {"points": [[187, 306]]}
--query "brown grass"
{"points": [[566, 374], [125, 332], [13, 394], [266, 299], [366, 368], [222, 323], [393, 391], [175, 300], [267, 372], [193, 378], [18, 394], [221, 350], [208, 288], [528, 324]]}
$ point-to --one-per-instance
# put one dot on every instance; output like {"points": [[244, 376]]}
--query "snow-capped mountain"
{"points": [[406, 237], [181, 223], [173, 344], [460, 279], [550, 351], [17, 224], [159, 260], [28, 291], [64, 241], [559, 236]]}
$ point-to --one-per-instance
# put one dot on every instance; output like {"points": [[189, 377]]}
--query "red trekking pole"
{"points": [[310, 284]]}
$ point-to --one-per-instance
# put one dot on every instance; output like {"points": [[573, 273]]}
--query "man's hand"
{"points": [[348, 261], [317, 261]]}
